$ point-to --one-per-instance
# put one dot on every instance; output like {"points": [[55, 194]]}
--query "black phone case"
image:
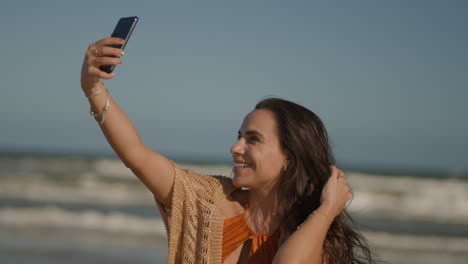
{"points": [[123, 30]]}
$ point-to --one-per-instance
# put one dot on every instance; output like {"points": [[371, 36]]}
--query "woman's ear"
{"points": [[286, 164]]}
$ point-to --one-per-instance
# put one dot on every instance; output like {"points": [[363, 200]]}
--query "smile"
{"points": [[242, 165]]}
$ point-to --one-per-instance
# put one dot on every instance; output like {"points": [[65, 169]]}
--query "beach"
{"points": [[84, 209]]}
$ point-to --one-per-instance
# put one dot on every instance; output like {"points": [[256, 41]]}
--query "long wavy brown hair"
{"points": [[305, 142]]}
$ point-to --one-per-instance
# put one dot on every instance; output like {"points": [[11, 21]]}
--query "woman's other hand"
{"points": [[335, 194], [98, 54]]}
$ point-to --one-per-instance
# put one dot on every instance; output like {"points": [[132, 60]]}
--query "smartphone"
{"points": [[123, 30]]}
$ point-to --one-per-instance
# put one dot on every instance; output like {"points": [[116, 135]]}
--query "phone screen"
{"points": [[123, 30]]}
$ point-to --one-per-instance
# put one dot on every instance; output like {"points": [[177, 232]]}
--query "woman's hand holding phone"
{"points": [[103, 55], [99, 54]]}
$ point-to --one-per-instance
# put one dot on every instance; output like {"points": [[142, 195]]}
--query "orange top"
{"points": [[236, 232]]}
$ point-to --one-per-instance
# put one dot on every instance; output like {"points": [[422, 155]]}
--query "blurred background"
{"points": [[389, 80]]}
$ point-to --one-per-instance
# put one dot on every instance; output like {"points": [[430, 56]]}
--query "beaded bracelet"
{"points": [[103, 112]]}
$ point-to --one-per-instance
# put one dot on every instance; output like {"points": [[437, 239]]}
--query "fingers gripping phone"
{"points": [[123, 30]]}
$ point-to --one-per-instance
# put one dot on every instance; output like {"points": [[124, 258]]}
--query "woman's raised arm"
{"points": [[153, 169], [305, 245]]}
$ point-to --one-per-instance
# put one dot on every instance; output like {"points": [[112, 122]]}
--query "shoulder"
{"points": [[231, 192], [234, 198], [231, 198], [199, 179], [225, 182], [190, 179]]}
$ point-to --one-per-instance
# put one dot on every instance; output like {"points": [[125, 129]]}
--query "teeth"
{"points": [[242, 165]]}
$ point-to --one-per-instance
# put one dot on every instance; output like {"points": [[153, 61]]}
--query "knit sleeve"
{"points": [[194, 222]]}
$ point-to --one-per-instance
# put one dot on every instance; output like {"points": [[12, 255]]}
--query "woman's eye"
{"points": [[254, 139]]}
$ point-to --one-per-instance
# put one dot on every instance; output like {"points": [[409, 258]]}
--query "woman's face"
{"points": [[258, 157]]}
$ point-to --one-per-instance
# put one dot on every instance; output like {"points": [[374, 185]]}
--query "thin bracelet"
{"points": [[322, 213], [96, 92], [104, 110]]}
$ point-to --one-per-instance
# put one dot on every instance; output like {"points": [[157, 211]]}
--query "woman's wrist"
{"points": [[321, 212], [101, 116], [327, 211], [94, 90]]}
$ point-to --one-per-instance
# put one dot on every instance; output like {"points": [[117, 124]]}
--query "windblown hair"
{"points": [[304, 140]]}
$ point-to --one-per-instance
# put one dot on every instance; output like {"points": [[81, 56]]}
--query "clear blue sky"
{"points": [[389, 78]]}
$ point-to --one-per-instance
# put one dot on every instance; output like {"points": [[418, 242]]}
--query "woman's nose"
{"points": [[237, 148]]}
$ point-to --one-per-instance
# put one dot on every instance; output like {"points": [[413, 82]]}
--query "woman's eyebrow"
{"points": [[252, 132]]}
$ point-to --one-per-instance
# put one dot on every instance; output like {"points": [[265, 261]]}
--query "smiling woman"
{"points": [[304, 184], [258, 156], [285, 203]]}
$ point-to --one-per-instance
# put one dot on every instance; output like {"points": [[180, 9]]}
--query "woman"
{"points": [[283, 205]]}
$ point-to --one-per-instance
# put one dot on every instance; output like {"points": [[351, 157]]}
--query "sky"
{"points": [[388, 78]]}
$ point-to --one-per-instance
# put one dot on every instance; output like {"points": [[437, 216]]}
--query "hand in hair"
{"points": [[335, 194]]}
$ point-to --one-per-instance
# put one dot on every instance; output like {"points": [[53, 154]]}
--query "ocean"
{"points": [[86, 209]]}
